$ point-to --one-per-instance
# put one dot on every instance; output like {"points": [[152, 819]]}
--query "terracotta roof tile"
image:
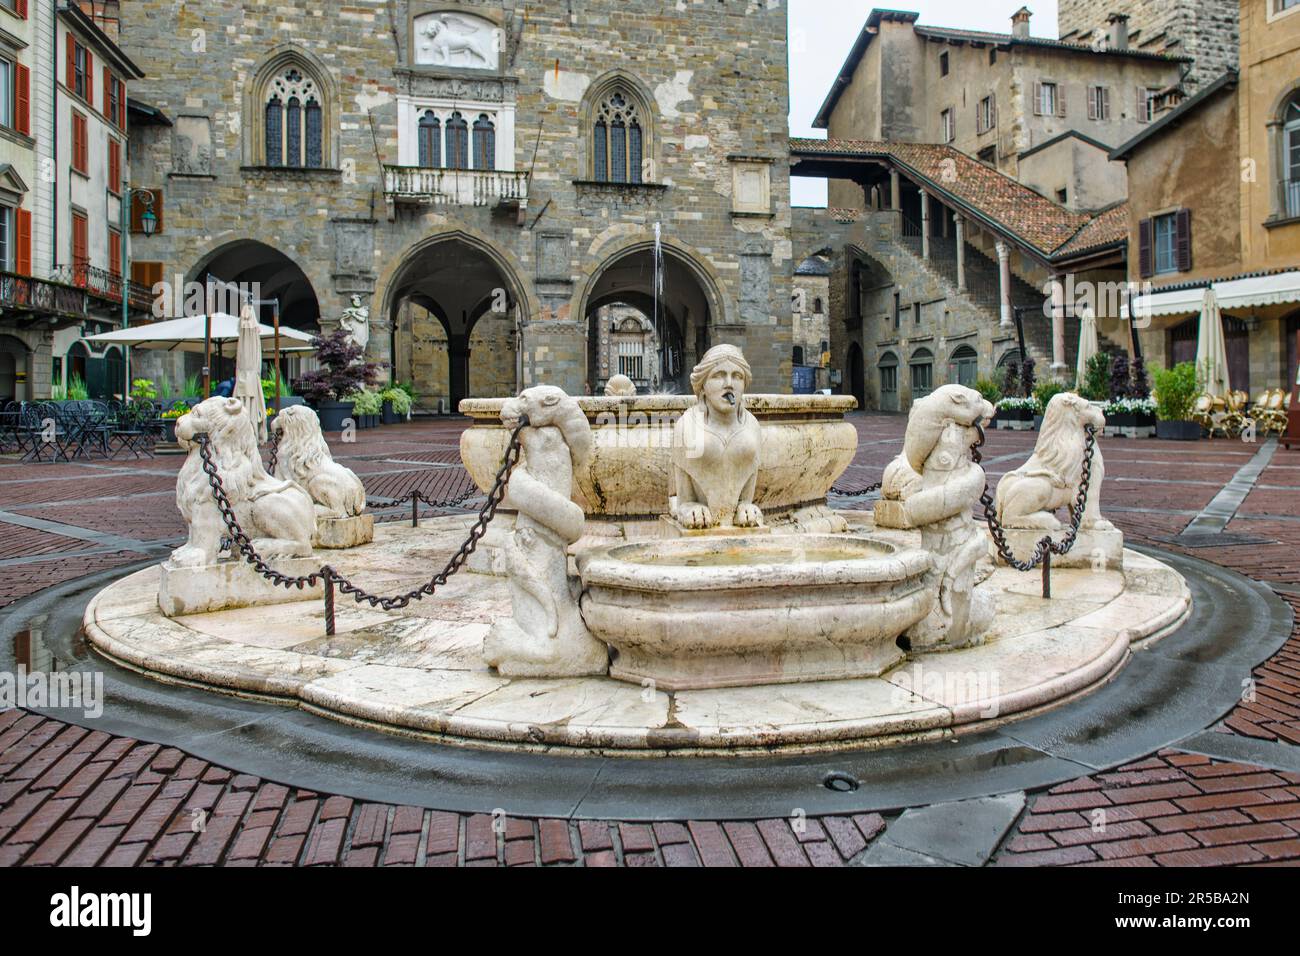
{"points": [[1047, 227]]}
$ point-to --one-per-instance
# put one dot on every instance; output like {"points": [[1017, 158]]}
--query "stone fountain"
{"points": [[664, 576]]}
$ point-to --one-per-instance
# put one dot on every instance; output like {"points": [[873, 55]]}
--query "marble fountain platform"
{"points": [[419, 672]]}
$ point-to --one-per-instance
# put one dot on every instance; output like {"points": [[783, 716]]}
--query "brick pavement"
{"points": [[72, 796]]}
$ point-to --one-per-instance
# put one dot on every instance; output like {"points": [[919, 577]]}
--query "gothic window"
{"points": [[618, 139], [294, 134], [485, 143], [457, 142], [430, 140]]}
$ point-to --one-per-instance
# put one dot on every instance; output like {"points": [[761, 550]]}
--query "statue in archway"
{"points": [[356, 320]]}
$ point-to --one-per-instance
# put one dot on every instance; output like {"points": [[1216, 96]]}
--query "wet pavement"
{"points": [[1227, 794]]}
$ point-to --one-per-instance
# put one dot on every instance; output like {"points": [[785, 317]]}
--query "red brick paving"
{"points": [[74, 797]]}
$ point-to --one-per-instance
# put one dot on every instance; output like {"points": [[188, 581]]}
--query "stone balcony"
{"points": [[418, 185]]}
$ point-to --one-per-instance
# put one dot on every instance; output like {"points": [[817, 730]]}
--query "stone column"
{"points": [[925, 224], [960, 222], [1004, 283], [895, 191], [458, 368], [1058, 326]]}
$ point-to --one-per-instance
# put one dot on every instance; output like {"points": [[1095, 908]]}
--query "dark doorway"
{"points": [[857, 378]]}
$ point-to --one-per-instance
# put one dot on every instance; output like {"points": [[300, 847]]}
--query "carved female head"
{"points": [[722, 378]]}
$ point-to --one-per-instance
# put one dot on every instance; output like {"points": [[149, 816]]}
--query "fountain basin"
{"points": [[807, 445], [699, 613]]}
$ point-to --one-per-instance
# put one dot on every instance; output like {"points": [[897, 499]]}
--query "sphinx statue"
{"points": [[545, 635], [938, 484], [716, 446]]}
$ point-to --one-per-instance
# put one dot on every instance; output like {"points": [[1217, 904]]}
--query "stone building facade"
{"points": [[479, 160], [1204, 30]]}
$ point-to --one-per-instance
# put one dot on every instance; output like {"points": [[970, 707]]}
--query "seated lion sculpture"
{"points": [[1030, 496], [277, 516], [305, 459]]}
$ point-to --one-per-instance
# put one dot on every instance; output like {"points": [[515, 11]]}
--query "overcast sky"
{"points": [[823, 31]]}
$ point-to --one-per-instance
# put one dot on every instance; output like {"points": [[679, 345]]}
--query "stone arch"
{"points": [[691, 305], [257, 92], [276, 273], [620, 81], [14, 356], [888, 371]]}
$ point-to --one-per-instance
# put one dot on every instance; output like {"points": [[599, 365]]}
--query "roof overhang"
{"points": [[90, 30], [1253, 292]]}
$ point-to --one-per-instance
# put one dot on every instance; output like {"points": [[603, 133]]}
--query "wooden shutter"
{"points": [[108, 100], [1146, 237], [20, 8], [1038, 99], [1092, 102], [993, 110], [137, 210], [1183, 239], [79, 152], [115, 252], [22, 99], [147, 274], [114, 166], [23, 228], [1060, 99], [1141, 104], [79, 244], [1105, 103], [90, 79], [70, 49]]}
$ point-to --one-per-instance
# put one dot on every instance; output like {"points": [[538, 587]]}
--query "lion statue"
{"points": [[1029, 496], [305, 459], [277, 515], [545, 635], [939, 483]]}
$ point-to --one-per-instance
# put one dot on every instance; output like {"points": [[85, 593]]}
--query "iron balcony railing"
{"points": [[104, 285], [455, 187], [30, 294]]}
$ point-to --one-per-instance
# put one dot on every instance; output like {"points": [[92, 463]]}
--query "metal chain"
{"points": [[329, 575], [1047, 546], [857, 494], [275, 451]]}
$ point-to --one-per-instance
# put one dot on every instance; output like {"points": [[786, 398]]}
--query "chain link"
{"points": [[1047, 546], [329, 575], [862, 493]]}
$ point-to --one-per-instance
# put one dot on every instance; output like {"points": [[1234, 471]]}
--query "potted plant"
{"points": [[1044, 392], [1175, 394], [343, 372], [1097, 379], [170, 417], [76, 390], [396, 405], [367, 407], [1016, 413]]}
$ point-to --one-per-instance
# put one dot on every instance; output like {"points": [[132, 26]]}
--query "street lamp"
{"points": [[149, 223]]}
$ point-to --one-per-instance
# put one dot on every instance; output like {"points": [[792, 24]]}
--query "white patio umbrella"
{"points": [[1211, 349], [248, 372], [187, 335], [1088, 346]]}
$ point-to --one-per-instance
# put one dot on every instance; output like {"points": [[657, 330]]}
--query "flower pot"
{"points": [[391, 417], [169, 430], [1178, 431], [332, 415], [1038, 422]]}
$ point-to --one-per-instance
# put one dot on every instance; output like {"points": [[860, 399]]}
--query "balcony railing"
{"points": [[43, 296], [455, 187], [1290, 198], [105, 286]]}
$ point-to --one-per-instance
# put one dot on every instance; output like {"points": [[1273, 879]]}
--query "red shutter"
{"points": [[90, 79], [79, 254], [23, 99], [23, 259], [70, 48], [115, 252], [121, 105], [20, 8], [108, 100], [79, 142], [1183, 236], [1145, 242], [114, 166]]}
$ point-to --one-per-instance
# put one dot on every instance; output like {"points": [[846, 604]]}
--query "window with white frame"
{"points": [[1166, 243], [986, 114], [1290, 168], [947, 126], [1098, 103], [6, 238], [455, 138], [1048, 98], [1147, 104]]}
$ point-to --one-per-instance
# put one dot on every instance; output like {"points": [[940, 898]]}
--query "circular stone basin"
{"points": [[697, 613], [807, 445]]}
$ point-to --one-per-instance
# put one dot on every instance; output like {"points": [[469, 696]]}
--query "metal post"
{"points": [[415, 509], [1047, 576], [275, 316], [328, 575], [207, 337]]}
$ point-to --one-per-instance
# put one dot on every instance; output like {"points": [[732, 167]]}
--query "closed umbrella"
{"points": [[1087, 345], [248, 372], [1211, 349]]}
